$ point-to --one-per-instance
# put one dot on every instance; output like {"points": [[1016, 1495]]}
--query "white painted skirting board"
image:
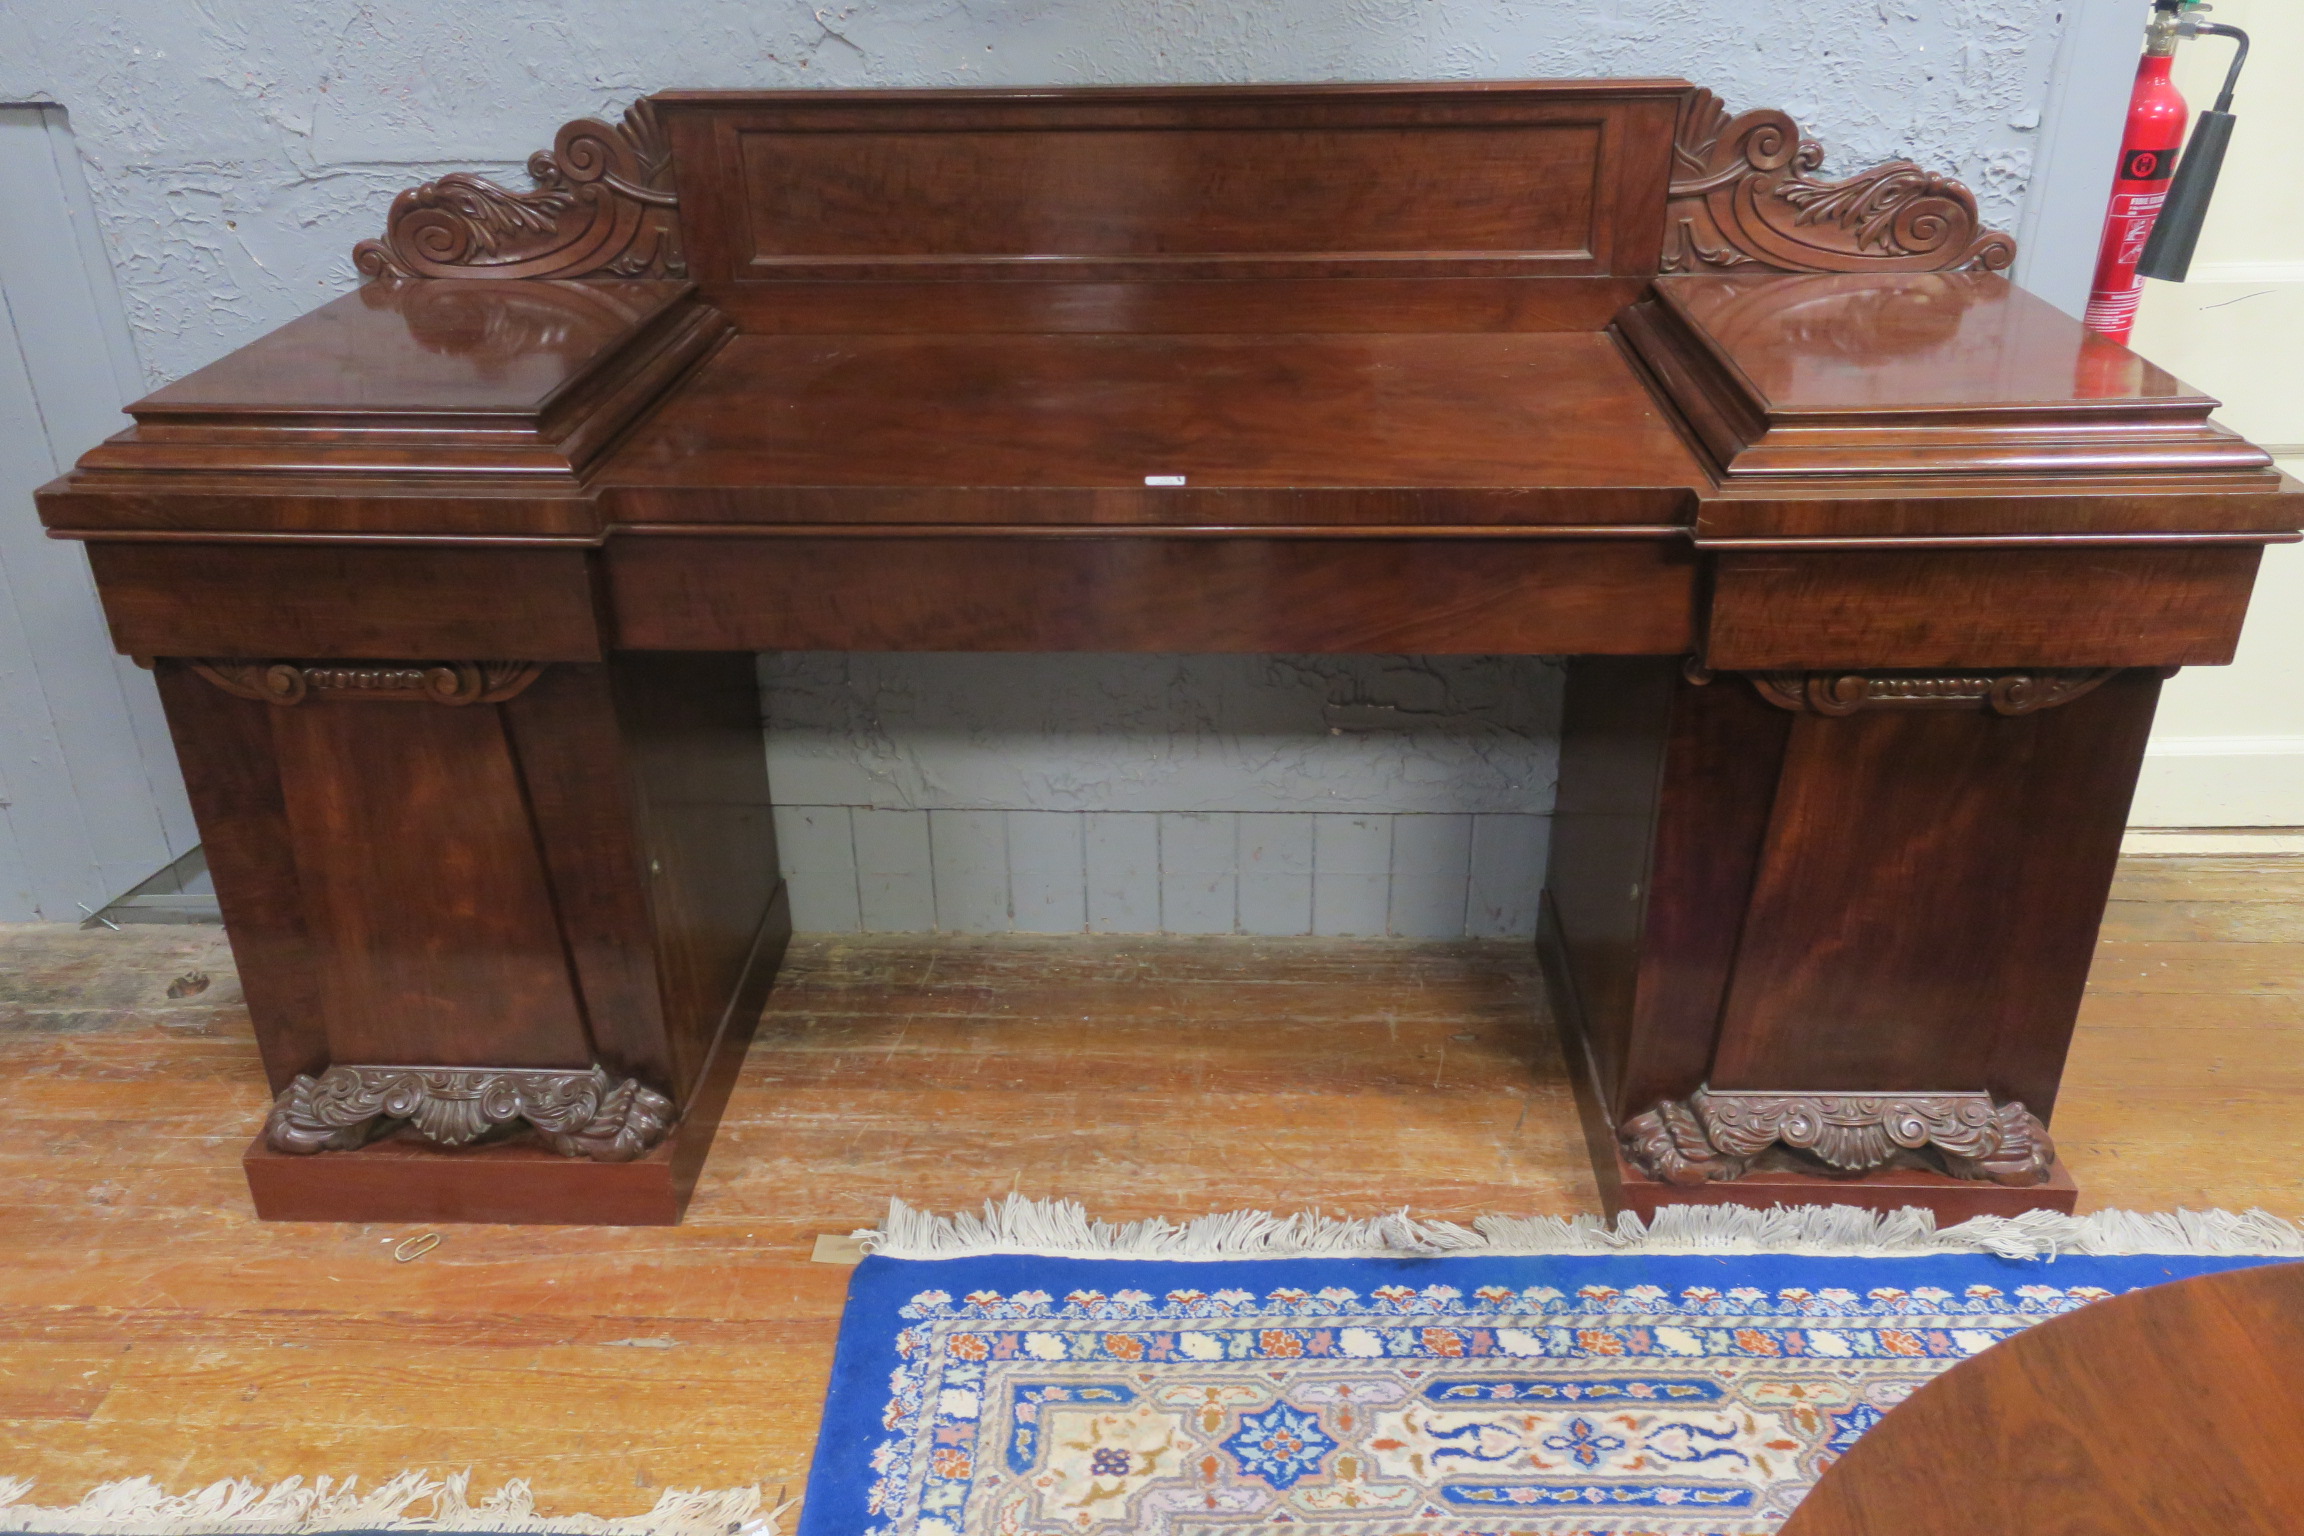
{"points": [[2221, 781], [2246, 272], [857, 869], [2196, 842]]}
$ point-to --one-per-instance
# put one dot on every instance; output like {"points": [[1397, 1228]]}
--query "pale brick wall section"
{"points": [[1261, 873], [1267, 795]]}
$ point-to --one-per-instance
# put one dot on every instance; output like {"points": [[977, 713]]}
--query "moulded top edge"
{"points": [[1635, 87]]}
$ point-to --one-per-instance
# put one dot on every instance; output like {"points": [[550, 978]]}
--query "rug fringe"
{"points": [[138, 1506], [1064, 1229]]}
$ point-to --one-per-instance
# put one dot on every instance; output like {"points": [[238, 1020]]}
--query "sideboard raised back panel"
{"points": [[1327, 182]]}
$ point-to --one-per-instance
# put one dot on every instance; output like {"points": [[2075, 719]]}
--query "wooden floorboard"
{"points": [[149, 1326]]}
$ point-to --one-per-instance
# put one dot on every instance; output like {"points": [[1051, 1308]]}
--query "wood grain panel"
{"points": [[1121, 594], [436, 941], [1665, 793], [692, 733], [224, 745], [1928, 897], [650, 795], [1167, 195], [587, 811], [384, 602], [2178, 605], [1136, 182]]}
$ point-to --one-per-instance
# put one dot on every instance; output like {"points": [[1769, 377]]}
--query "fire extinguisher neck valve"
{"points": [[2161, 32]]}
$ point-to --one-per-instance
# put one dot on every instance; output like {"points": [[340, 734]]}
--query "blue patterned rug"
{"points": [[1479, 1394]]}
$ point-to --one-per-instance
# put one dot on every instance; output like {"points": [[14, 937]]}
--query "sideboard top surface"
{"points": [[452, 346], [1106, 412], [1554, 305], [1934, 341]]}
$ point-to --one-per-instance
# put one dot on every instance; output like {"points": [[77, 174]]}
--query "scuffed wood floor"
{"points": [[149, 1326]]}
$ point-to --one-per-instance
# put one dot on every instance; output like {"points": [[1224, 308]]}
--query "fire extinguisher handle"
{"points": [[2189, 27]]}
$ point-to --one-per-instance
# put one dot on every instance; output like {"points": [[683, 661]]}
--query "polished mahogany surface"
{"points": [[1251, 592], [411, 600], [1931, 341], [1310, 421], [2170, 1411], [1957, 380], [1346, 181], [440, 349], [2148, 604], [476, 388]]}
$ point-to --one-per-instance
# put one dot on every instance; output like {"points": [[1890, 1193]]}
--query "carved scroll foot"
{"points": [[580, 1114], [1719, 1135]]}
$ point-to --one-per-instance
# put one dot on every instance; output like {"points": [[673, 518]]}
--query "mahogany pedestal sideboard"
{"points": [[1869, 565]]}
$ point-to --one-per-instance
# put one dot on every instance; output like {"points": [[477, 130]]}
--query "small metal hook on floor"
{"points": [[416, 1247]]}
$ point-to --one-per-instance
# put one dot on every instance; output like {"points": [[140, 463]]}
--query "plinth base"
{"points": [[400, 1181], [405, 1180], [1625, 1188]]}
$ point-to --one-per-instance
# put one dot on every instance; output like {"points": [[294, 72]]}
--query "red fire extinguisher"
{"points": [[2156, 119]]}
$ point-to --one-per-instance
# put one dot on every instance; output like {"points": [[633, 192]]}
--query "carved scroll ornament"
{"points": [[603, 207], [1742, 199], [404, 682], [580, 1114], [1845, 693], [1718, 1135]]}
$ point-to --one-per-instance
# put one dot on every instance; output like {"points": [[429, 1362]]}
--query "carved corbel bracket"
{"points": [[604, 206], [580, 1114], [391, 682], [1718, 1135], [1847, 693], [1742, 199]]}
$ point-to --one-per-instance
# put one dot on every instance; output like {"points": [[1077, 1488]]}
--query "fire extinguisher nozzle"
{"points": [[2168, 252]]}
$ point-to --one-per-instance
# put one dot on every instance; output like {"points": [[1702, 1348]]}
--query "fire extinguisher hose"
{"points": [[2168, 254]]}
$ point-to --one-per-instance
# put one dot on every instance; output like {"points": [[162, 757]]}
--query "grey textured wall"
{"points": [[237, 148]]}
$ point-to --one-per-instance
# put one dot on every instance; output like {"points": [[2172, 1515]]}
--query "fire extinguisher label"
{"points": [[2132, 216], [2148, 165]]}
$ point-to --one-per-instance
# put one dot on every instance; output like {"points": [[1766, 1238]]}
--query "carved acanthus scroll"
{"points": [[403, 682], [1845, 693], [1718, 1135], [603, 206], [579, 1114], [1742, 199]]}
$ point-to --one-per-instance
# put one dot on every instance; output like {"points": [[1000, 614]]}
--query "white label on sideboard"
{"points": [[1163, 479]]}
